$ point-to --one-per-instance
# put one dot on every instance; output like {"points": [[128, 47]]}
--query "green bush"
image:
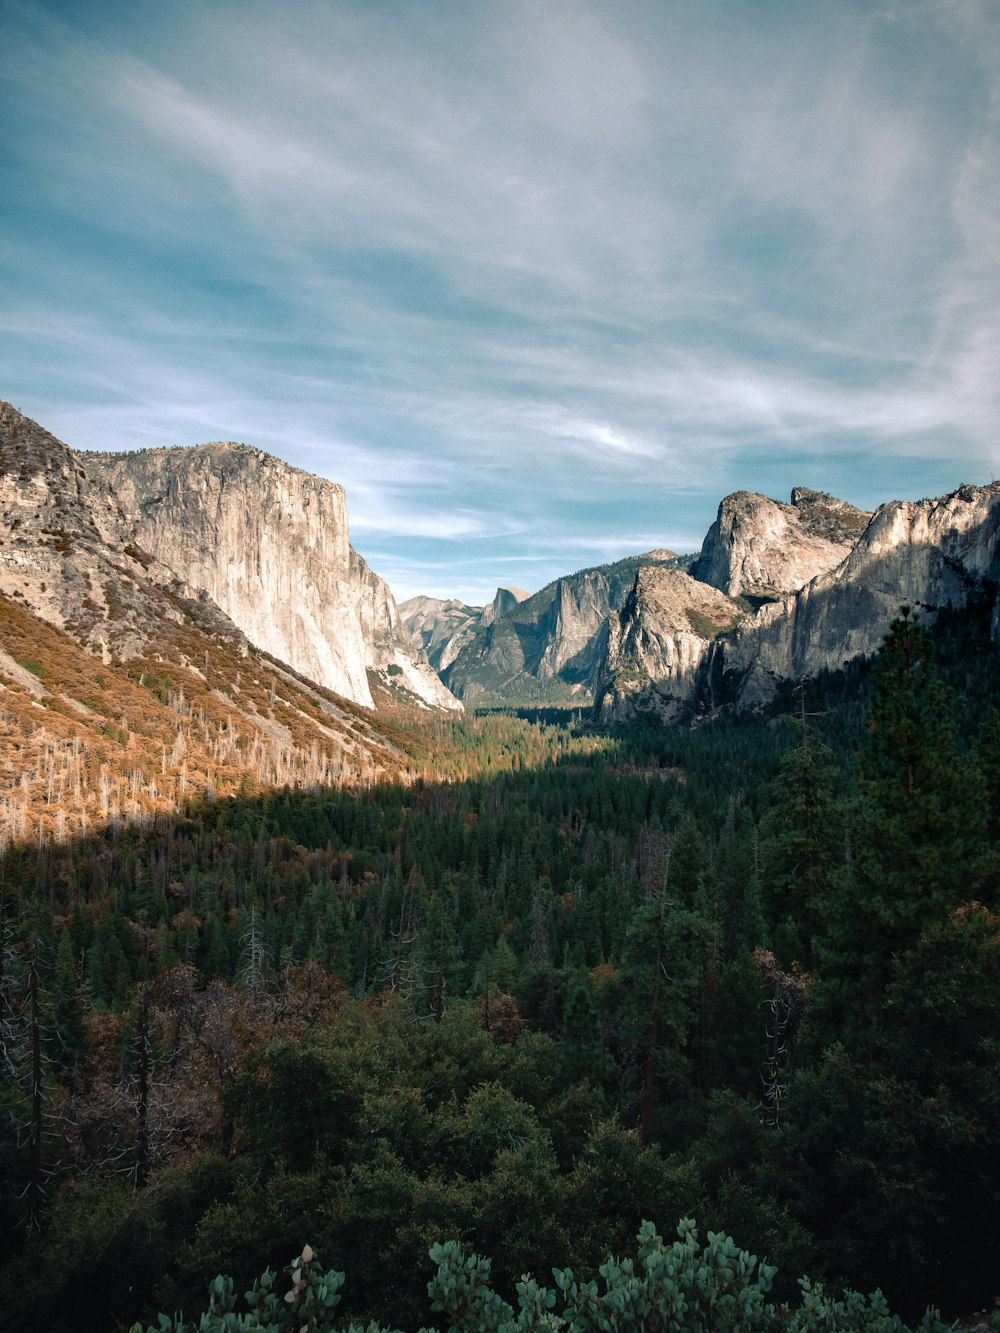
{"points": [[685, 1286]]}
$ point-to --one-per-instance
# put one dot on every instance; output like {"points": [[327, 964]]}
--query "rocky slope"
{"points": [[68, 552], [84, 742], [657, 642], [122, 690], [931, 554], [928, 553], [268, 543], [760, 548], [439, 627], [505, 600], [547, 647], [389, 649]]}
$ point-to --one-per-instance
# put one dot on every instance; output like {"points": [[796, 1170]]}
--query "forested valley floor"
{"points": [[747, 973]]}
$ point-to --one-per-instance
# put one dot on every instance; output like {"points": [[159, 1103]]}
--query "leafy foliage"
{"points": [[684, 1286]]}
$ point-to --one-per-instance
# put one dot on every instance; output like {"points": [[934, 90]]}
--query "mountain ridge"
{"points": [[546, 647], [130, 551], [931, 554]]}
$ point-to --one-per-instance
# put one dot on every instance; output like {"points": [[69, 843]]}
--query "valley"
{"points": [[673, 895]]}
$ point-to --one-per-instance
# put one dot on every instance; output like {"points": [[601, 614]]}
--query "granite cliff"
{"points": [[268, 543], [930, 554], [762, 549], [124, 690], [69, 555], [546, 647], [657, 642], [441, 628]]}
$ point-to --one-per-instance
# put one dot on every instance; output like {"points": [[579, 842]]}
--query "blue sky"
{"points": [[539, 281]]}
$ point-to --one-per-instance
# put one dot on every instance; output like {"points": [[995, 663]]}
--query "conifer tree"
{"points": [[920, 832], [438, 956], [918, 835], [69, 1031], [661, 964], [583, 1054], [803, 848]]}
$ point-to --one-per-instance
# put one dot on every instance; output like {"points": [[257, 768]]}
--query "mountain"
{"points": [[930, 554], [546, 647], [123, 690], [268, 543], [657, 641], [760, 548], [504, 602], [68, 551], [442, 628]]}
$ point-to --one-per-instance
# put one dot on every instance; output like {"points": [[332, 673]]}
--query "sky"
{"points": [[538, 281]]}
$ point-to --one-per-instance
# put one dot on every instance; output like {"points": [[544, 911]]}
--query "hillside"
{"points": [[84, 742]]}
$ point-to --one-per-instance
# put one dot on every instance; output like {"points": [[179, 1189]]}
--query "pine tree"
{"points": [[69, 1031], [662, 969], [918, 835], [438, 955], [582, 1053], [803, 848]]}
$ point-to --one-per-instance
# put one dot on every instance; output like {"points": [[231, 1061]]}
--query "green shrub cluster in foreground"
{"points": [[686, 1287]]}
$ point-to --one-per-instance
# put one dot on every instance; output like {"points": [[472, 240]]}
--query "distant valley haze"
{"points": [[538, 284]]}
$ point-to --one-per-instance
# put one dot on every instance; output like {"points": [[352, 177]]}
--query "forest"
{"points": [[568, 982]]}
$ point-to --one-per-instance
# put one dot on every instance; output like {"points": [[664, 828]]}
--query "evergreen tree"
{"points": [[69, 1032], [918, 835], [582, 1053], [662, 967], [921, 827], [438, 956], [803, 848]]}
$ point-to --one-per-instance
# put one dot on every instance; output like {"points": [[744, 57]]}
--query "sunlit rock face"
{"points": [[760, 548], [929, 554], [390, 651], [505, 600], [70, 555], [269, 544], [656, 646]]}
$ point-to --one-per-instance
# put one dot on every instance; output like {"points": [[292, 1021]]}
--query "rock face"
{"points": [[268, 543], [389, 649], [504, 602], [177, 701], [760, 548], [656, 644], [441, 629], [930, 554], [69, 554], [547, 647]]}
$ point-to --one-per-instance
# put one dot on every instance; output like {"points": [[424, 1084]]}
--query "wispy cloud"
{"points": [[530, 280]]}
